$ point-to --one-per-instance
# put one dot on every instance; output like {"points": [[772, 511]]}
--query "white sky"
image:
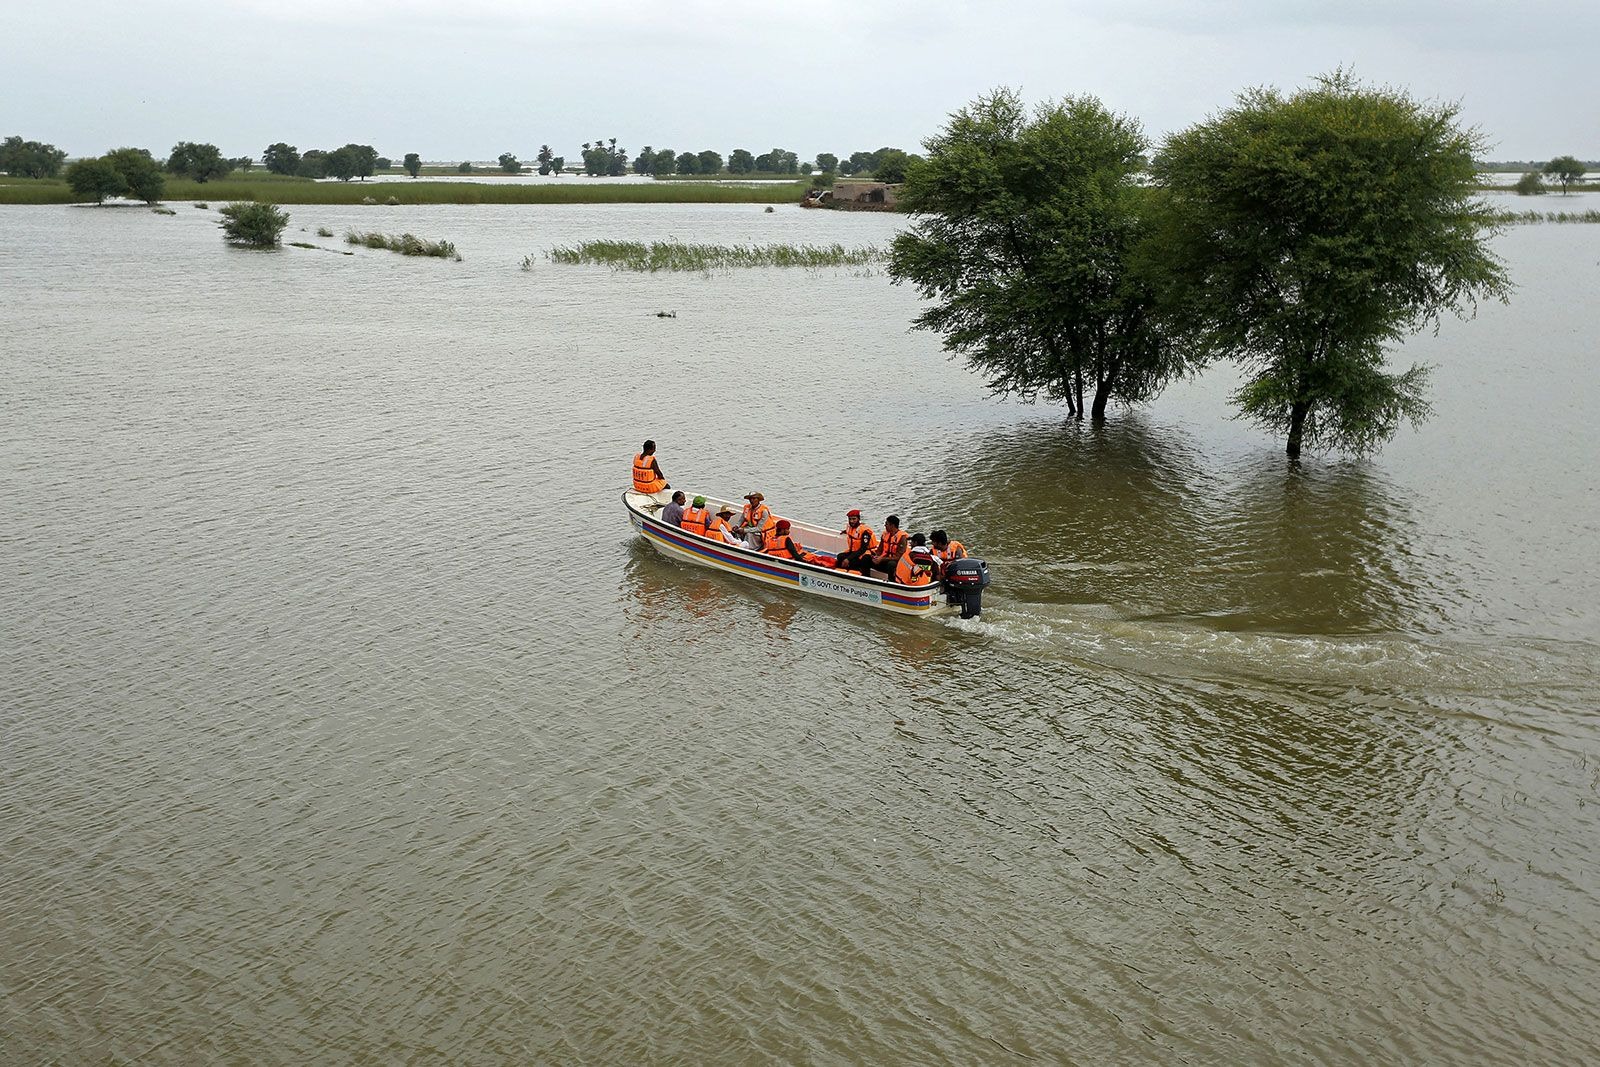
{"points": [[474, 78]]}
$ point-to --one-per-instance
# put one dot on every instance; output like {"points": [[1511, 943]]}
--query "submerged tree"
{"points": [[1025, 243], [413, 164], [510, 164], [253, 225], [140, 173], [1564, 169], [95, 179], [1305, 233]]}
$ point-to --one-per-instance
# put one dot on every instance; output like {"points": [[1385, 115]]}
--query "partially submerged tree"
{"points": [[1305, 233], [1024, 243], [1530, 184], [413, 164], [510, 163], [141, 173], [1564, 169], [253, 225], [95, 179]]}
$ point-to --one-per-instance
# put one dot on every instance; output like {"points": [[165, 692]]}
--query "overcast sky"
{"points": [[473, 78]]}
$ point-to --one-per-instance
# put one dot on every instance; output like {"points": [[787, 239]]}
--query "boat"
{"points": [[960, 592]]}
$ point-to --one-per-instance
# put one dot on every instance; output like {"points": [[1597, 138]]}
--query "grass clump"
{"points": [[253, 225], [679, 256], [203, 206], [406, 244], [323, 231], [159, 210]]}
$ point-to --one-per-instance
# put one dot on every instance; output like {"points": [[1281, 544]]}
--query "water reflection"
{"points": [[1135, 517]]}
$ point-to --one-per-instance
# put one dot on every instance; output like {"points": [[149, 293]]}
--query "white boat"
{"points": [[644, 511]]}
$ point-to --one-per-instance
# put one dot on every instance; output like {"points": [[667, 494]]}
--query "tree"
{"points": [[688, 163], [510, 163], [1026, 244], [365, 157], [252, 224], [1531, 184], [558, 164], [313, 164], [465, 167], [740, 161], [141, 174], [1306, 232], [95, 179], [892, 165], [243, 163], [30, 159], [281, 158], [858, 162], [198, 162], [710, 162], [778, 161], [643, 161], [385, 163], [341, 163], [666, 162], [827, 162], [413, 164], [546, 159], [806, 169], [1565, 170]]}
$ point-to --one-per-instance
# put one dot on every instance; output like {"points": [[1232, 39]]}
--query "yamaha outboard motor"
{"points": [[964, 580]]}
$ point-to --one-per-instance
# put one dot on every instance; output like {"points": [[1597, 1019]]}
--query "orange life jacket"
{"points": [[909, 573], [859, 538], [778, 544], [695, 521], [761, 518], [716, 527], [893, 543], [646, 478], [952, 550]]}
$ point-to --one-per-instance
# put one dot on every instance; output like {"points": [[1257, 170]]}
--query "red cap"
{"points": [[853, 513], [783, 524]]}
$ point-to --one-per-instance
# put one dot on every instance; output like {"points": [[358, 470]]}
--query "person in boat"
{"points": [[672, 514], [696, 519], [945, 551], [859, 541], [915, 567], [755, 520], [721, 527], [647, 476], [780, 543], [890, 546]]}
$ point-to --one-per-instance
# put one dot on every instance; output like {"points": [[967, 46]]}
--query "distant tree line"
{"points": [[351, 161]]}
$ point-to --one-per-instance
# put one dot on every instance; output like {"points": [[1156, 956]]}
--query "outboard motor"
{"points": [[964, 580]]}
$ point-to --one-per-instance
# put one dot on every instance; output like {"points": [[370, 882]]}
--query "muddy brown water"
{"points": [[342, 720]]}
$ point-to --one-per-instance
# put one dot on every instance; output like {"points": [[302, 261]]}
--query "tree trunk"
{"points": [[1102, 393], [1297, 425], [1080, 392]]}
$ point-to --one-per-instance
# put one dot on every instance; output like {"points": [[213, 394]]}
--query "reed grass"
{"points": [[323, 231], [1531, 218], [406, 244], [679, 256]]}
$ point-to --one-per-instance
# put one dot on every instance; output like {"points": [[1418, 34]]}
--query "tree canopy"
{"points": [[413, 164], [510, 164], [1304, 233], [95, 179], [198, 162], [281, 158], [140, 173], [30, 159], [1564, 169], [1025, 243]]}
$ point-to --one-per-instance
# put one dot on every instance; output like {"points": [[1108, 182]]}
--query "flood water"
{"points": [[343, 721]]}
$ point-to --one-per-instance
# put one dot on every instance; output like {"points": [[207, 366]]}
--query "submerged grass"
{"points": [[406, 244], [1529, 218], [679, 256]]}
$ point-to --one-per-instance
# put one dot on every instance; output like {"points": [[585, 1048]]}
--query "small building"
{"points": [[861, 195]]}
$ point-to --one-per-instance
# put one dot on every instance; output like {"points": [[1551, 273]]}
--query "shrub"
{"points": [[323, 231], [1530, 184], [254, 225]]}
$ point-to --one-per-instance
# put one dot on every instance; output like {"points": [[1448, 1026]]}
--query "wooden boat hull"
{"points": [[792, 575]]}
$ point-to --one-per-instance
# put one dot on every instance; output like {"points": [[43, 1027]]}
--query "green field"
{"points": [[277, 189]]}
